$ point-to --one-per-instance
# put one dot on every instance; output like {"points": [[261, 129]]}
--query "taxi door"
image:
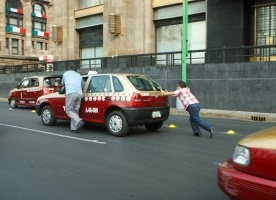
{"points": [[96, 99], [33, 91], [21, 94]]}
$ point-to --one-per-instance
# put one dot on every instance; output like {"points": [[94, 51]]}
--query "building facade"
{"points": [[55, 30]]}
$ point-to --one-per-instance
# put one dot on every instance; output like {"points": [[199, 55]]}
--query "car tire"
{"points": [[13, 103], [154, 126], [117, 124], [47, 116]]}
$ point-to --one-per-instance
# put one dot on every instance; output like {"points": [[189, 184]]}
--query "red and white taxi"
{"points": [[30, 88], [250, 173], [117, 101]]}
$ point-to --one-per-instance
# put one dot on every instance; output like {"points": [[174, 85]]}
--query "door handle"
{"points": [[108, 98]]}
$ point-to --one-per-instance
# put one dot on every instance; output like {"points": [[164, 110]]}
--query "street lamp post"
{"points": [[184, 39]]}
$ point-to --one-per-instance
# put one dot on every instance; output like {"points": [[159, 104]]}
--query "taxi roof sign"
{"points": [[92, 72]]}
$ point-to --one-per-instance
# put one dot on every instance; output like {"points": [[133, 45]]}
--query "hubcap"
{"points": [[115, 123], [46, 116], [12, 103]]}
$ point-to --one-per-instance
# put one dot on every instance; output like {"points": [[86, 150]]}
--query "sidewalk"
{"points": [[255, 116]]}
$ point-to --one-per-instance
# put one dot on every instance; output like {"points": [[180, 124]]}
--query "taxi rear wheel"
{"points": [[13, 103], [154, 126], [117, 124], [47, 116]]}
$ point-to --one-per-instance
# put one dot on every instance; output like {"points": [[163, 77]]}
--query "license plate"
{"points": [[156, 114]]}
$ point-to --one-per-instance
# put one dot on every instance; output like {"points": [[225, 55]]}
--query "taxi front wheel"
{"points": [[13, 103], [47, 116], [117, 124]]}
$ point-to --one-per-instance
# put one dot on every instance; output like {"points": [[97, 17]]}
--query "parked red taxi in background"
{"points": [[251, 172], [30, 88], [117, 101]]}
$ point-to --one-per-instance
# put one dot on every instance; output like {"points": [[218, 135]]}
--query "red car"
{"points": [[30, 88], [117, 101], [251, 172]]}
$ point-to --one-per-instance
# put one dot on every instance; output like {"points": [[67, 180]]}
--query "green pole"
{"points": [[184, 39]]}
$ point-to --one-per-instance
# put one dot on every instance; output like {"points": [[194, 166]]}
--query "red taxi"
{"points": [[117, 101], [250, 173], [30, 88]]}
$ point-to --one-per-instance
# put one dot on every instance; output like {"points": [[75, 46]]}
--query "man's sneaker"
{"points": [[79, 126], [198, 134], [212, 131]]}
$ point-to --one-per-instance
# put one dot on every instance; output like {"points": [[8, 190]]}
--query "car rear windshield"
{"points": [[52, 82], [144, 83]]}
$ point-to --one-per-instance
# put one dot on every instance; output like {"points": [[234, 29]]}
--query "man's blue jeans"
{"points": [[195, 119]]}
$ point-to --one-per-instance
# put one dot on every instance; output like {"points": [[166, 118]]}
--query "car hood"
{"points": [[262, 139], [262, 154]]}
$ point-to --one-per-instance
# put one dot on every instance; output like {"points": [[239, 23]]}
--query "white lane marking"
{"points": [[59, 135]]}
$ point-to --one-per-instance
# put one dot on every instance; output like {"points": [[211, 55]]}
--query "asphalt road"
{"points": [[50, 163]]}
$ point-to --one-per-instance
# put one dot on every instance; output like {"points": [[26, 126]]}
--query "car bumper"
{"points": [[239, 185], [145, 115]]}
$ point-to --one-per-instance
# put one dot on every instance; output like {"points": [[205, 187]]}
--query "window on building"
{"points": [[14, 13], [39, 46], [89, 3], [263, 27], [13, 4], [168, 22], [15, 46], [39, 19], [91, 54], [22, 47], [7, 43]]}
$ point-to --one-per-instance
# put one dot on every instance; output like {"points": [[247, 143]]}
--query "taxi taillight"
{"points": [[136, 99]]}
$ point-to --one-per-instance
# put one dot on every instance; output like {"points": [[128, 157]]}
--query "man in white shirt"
{"points": [[73, 84]]}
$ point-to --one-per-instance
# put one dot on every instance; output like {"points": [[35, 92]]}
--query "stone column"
{"points": [[27, 24], [3, 49], [137, 29], [69, 48]]}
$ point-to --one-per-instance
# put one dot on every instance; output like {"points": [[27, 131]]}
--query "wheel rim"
{"points": [[115, 123], [46, 116], [13, 103]]}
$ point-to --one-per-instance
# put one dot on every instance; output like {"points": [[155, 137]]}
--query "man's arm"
{"points": [[168, 93]]}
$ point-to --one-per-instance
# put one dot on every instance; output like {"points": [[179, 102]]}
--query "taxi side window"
{"points": [[118, 87], [99, 84], [34, 82]]}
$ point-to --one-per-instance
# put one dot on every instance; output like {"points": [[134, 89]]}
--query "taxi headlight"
{"points": [[241, 155]]}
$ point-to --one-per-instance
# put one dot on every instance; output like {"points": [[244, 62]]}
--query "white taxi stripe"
{"points": [[54, 134]]}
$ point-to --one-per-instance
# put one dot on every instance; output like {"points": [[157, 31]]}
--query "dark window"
{"points": [[15, 46], [118, 87], [262, 26], [14, 19], [14, 4]]}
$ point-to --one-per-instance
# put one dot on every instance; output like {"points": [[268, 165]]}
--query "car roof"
{"points": [[123, 74]]}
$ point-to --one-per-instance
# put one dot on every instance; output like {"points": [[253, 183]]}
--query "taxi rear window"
{"points": [[142, 83]]}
